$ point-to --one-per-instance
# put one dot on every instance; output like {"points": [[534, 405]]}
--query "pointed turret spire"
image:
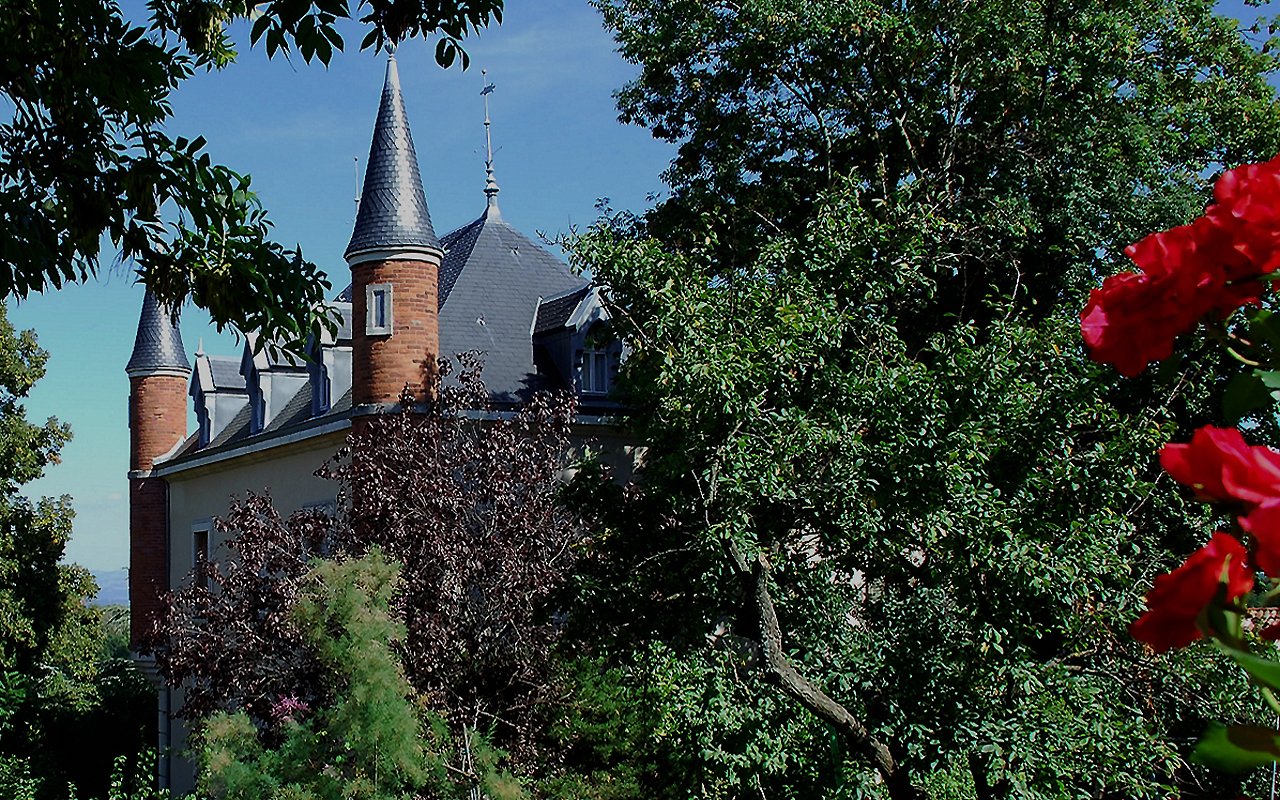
{"points": [[393, 213], [158, 347], [490, 183]]}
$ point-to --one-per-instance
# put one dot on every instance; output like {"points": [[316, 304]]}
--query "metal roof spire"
{"points": [[158, 349], [490, 183], [393, 213]]}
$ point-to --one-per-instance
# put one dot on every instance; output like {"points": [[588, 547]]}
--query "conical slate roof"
{"points": [[393, 208], [158, 346]]}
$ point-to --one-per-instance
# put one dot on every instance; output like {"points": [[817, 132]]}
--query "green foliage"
{"points": [[885, 493], [1041, 137], [958, 524], [68, 706], [371, 741], [85, 159], [608, 734]]}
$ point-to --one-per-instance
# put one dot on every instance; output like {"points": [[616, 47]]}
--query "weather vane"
{"points": [[490, 183], [355, 181]]}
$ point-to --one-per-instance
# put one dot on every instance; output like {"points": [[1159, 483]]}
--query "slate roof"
{"points": [[393, 208], [294, 417], [495, 276], [297, 410], [225, 373], [554, 312], [491, 279], [158, 345]]}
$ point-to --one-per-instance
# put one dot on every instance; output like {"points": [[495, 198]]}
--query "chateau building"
{"points": [[267, 423]]}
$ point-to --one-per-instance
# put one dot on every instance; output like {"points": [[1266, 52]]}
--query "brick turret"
{"points": [[394, 257], [158, 374]]}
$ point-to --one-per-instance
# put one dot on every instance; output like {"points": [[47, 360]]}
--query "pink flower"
{"points": [[289, 709], [1177, 601]]}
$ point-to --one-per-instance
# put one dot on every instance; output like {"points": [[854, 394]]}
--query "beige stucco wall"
{"points": [[287, 473]]}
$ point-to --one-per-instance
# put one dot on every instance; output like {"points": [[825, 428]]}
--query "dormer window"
{"points": [[378, 312], [598, 360], [257, 405], [596, 374]]}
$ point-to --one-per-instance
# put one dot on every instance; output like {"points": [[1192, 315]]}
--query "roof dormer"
{"points": [[572, 330], [272, 382], [219, 394], [329, 365]]}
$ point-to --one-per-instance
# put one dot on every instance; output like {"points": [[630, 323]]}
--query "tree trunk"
{"points": [[809, 695]]}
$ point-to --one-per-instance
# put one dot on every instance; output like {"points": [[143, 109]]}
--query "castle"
{"points": [[266, 422]]}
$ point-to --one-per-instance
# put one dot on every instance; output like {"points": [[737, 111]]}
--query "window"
{"points": [[378, 311], [320, 388], [200, 555], [202, 419], [257, 404], [595, 371]]}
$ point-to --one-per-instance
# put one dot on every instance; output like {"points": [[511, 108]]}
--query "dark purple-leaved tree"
{"points": [[465, 498]]}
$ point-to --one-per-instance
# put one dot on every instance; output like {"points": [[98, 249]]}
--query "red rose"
{"points": [[1249, 197], [1250, 192], [1203, 464], [1264, 525], [1207, 268], [1222, 468], [1188, 272], [1176, 602], [1133, 319]]}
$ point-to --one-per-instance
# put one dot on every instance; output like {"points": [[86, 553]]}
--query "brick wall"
{"points": [[381, 366], [157, 422], [148, 553], [157, 417]]}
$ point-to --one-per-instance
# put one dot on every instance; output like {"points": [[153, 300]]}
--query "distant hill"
{"points": [[113, 588]]}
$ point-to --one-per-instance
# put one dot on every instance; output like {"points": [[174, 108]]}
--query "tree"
{"points": [[467, 506], [85, 156], [55, 675], [1032, 132], [472, 511], [367, 741], [892, 525]]}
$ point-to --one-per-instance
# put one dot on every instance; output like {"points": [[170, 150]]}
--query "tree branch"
{"points": [[808, 694]]}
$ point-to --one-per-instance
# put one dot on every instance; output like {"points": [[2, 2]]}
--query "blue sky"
{"points": [[295, 129]]}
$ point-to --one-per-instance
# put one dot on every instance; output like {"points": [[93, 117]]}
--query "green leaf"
{"points": [[444, 53], [1262, 670], [260, 26], [1265, 326], [1246, 393], [1237, 748], [1269, 378]]}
